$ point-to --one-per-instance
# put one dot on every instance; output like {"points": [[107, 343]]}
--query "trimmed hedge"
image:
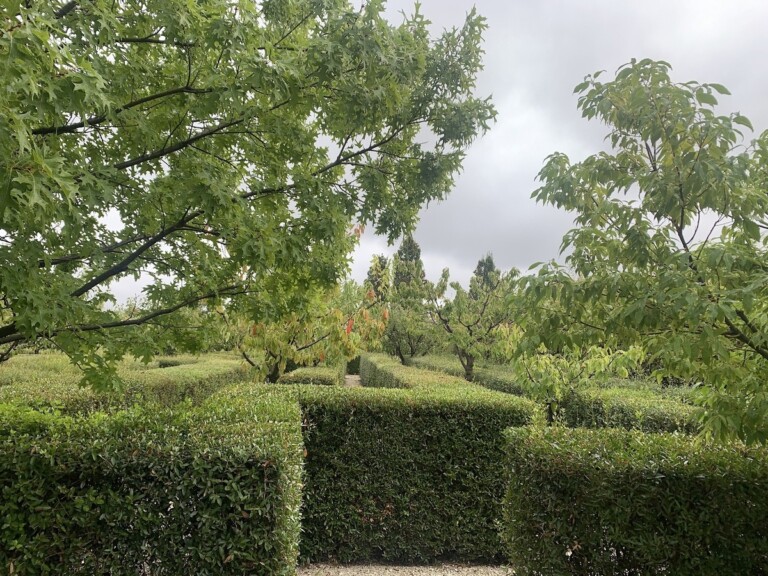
{"points": [[53, 383], [320, 375], [411, 475], [642, 405], [493, 377], [623, 502], [209, 491], [628, 408]]}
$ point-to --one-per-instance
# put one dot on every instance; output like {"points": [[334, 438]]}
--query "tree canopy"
{"points": [[222, 149], [670, 246], [409, 331], [473, 320]]}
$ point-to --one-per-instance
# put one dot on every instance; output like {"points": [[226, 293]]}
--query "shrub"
{"points": [[353, 366], [321, 375], [490, 376], [623, 502], [212, 491], [410, 475], [53, 383], [628, 408]]}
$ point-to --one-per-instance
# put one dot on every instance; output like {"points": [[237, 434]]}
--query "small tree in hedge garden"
{"points": [[334, 327], [473, 320], [378, 279], [409, 331], [670, 246], [550, 377]]}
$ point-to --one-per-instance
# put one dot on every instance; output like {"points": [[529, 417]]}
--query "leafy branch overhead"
{"points": [[670, 247], [222, 150]]}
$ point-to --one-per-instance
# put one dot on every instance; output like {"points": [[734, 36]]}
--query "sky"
{"points": [[535, 54]]}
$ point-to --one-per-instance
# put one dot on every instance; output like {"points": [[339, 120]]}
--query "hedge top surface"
{"points": [[323, 375], [619, 449], [52, 382], [381, 370]]}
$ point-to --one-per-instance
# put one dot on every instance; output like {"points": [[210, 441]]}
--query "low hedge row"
{"points": [[623, 502], [214, 490], [320, 375], [628, 408], [493, 377], [401, 475], [619, 403], [55, 383]]}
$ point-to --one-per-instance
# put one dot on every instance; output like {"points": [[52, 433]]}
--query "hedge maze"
{"points": [[199, 471]]}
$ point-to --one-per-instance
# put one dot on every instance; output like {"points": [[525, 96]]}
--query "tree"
{"points": [[486, 273], [222, 150], [669, 251], [333, 327], [409, 332], [474, 318], [377, 279]]}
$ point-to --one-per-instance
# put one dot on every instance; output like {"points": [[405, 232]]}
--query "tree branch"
{"points": [[226, 291], [66, 9], [95, 120]]}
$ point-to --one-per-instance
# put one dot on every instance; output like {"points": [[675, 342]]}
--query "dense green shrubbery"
{"points": [[353, 366], [494, 377], [623, 502], [640, 404], [404, 475], [629, 408], [321, 375], [214, 490], [50, 381]]}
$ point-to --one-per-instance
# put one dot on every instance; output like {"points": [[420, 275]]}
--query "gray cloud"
{"points": [[536, 52]]}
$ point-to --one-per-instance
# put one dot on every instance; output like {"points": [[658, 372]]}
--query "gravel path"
{"points": [[352, 381], [382, 570]]}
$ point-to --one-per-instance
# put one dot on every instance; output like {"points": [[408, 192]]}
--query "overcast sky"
{"points": [[536, 52]]}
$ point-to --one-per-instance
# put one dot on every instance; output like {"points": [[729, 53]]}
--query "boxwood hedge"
{"points": [[624, 502], [490, 376], [54, 383], [410, 475], [320, 375], [629, 408], [642, 405], [150, 491]]}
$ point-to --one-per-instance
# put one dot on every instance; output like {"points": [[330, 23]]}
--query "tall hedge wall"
{"points": [[320, 375], [409, 475], [641, 405], [611, 501], [402, 475], [493, 377], [208, 491]]}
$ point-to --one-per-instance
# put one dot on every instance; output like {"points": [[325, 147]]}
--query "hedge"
{"points": [[490, 376], [53, 383], [643, 405], [212, 491], [623, 502], [320, 375], [631, 409], [411, 475]]}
